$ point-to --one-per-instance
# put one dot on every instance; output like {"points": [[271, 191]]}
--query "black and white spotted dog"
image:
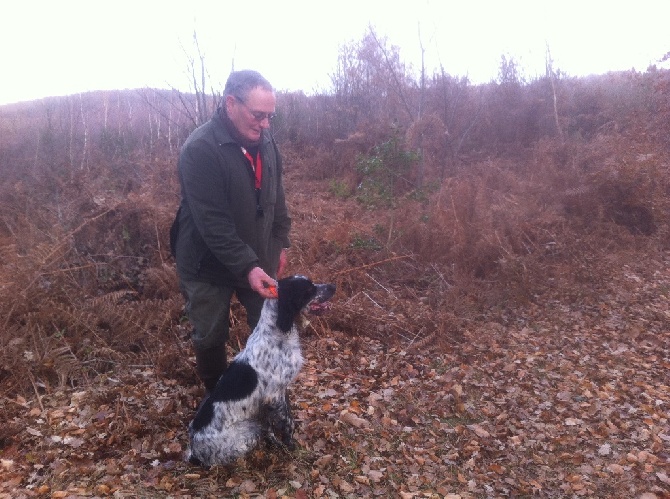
{"points": [[250, 401]]}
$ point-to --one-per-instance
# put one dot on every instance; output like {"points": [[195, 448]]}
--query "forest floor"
{"points": [[567, 396]]}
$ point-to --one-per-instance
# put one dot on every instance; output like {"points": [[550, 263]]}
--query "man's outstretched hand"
{"points": [[262, 283]]}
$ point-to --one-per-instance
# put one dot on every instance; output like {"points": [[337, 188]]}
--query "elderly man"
{"points": [[231, 230]]}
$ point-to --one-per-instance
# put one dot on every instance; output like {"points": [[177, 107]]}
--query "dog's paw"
{"points": [[286, 443], [272, 441], [191, 459], [290, 445]]}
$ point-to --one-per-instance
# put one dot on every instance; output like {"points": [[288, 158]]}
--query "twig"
{"points": [[502, 247], [37, 393], [69, 269], [453, 207], [372, 264], [158, 242], [434, 267], [378, 283], [416, 336], [351, 298], [369, 298], [402, 335]]}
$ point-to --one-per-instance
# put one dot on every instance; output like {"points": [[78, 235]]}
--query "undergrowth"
{"points": [[87, 282]]}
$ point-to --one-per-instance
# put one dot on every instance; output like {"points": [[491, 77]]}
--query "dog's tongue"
{"points": [[317, 308]]}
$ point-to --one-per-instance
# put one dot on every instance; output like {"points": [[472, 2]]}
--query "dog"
{"points": [[250, 401]]}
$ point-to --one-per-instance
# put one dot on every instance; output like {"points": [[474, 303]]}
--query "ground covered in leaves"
{"points": [[568, 396]]}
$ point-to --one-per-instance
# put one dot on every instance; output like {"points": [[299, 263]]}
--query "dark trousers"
{"points": [[208, 310]]}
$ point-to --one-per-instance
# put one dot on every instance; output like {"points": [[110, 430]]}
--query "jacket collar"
{"points": [[226, 133]]}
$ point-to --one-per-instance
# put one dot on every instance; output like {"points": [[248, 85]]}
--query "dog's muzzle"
{"points": [[320, 303]]}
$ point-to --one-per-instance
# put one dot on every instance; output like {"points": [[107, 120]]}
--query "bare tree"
{"points": [[422, 95], [392, 66], [371, 83], [200, 108], [551, 75], [84, 153], [185, 110]]}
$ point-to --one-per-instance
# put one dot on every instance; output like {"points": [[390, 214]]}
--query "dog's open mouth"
{"points": [[318, 308], [320, 303]]}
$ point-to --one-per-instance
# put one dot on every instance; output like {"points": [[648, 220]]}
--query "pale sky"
{"points": [[62, 47]]}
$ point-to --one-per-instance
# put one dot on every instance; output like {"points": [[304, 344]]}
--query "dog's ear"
{"points": [[294, 293]]}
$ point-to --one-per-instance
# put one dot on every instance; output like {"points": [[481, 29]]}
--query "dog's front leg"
{"points": [[280, 422]]}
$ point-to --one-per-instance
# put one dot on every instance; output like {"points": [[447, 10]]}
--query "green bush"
{"points": [[386, 173]]}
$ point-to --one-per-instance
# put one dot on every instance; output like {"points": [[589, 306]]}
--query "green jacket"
{"points": [[222, 230]]}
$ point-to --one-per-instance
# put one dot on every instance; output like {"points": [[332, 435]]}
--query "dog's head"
{"points": [[297, 294]]}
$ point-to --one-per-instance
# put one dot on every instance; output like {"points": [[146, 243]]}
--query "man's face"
{"points": [[252, 114]]}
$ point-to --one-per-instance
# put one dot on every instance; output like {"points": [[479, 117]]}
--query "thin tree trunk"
{"points": [[549, 64], [84, 153]]}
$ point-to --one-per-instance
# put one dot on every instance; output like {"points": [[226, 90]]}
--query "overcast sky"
{"points": [[63, 47]]}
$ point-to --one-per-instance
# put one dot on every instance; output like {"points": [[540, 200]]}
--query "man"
{"points": [[231, 231]]}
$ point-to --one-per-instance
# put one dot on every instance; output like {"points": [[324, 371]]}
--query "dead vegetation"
{"points": [[500, 327]]}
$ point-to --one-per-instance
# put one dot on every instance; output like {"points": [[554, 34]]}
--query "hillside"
{"points": [[501, 322]]}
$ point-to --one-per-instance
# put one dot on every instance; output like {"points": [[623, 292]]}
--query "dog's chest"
{"points": [[277, 357]]}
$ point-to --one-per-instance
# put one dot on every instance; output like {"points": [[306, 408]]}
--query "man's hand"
{"points": [[262, 283]]}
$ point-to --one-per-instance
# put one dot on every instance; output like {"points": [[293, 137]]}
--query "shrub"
{"points": [[385, 173]]}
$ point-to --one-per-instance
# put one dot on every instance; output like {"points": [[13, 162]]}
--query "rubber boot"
{"points": [[210, 364]]}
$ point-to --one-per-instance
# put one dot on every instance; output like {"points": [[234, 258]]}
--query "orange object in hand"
{"points": [[272, 288]]}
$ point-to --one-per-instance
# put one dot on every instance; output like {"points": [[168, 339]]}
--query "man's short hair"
{"points": [[240, 83]]}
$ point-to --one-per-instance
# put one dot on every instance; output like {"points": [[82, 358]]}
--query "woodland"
{"points": [[502, 318]]}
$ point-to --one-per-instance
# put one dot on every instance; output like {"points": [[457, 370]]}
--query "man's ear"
{"points": [[229, 102]]}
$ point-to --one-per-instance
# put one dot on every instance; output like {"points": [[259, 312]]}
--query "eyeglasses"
{"points": [[257, 115]]}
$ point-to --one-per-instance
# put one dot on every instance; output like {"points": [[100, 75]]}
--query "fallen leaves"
{"points": [[353, 419], [558, 401], [479, 431]]}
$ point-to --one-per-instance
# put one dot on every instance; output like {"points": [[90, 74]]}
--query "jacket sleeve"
{"points": [[204, 185]]}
